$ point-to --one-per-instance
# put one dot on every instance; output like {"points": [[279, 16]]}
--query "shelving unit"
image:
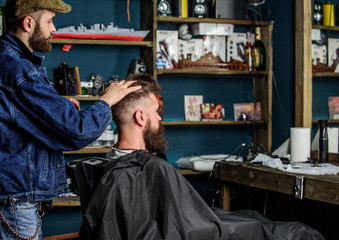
{"points": [[262, 80], [304, 76], [262, 86]]}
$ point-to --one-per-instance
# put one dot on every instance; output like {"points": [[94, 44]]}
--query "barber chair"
{"points": [[85, 175]]}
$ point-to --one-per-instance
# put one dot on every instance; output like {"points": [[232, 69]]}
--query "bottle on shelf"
{"points": [[259, 53], [249, 51]]}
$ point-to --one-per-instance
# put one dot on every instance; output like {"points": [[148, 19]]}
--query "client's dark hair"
{"points": [[148, 84]]}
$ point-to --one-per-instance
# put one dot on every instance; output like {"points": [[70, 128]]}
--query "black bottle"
{"points": [[323, 141]]}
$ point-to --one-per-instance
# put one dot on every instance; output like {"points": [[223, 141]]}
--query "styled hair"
{"points": [[148, 84]]}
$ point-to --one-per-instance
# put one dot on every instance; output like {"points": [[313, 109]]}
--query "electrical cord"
{"points": [[274, 80], [213, 170]]}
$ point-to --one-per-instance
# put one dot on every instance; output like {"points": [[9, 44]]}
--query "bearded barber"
{"points": [[36, 124]]}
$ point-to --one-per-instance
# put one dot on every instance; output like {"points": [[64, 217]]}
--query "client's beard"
{"points": [[155, 138]]}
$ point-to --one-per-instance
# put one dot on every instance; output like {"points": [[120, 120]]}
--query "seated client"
{"points": [[142, 196]]}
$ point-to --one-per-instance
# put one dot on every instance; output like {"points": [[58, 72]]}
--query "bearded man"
{"points": [[140, 195], [36, 124]]}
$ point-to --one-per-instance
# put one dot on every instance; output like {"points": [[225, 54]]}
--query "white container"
{"points": [[300, 144]]}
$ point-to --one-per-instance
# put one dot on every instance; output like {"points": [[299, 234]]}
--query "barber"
{"points": [[36, 124]]}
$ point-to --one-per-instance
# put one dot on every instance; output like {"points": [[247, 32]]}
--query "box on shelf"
{"points": [[236, 47], [319, 54], [247, 111], [212, 112], [167, 49], [192, 49], [192, 107], [333, 108], [215, 45], [221, 29], [333, 53]]}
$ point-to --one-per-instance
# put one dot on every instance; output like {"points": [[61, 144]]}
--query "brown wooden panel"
{"points": [[63, 236], [303, 64], [324, 188], [259, 177]]}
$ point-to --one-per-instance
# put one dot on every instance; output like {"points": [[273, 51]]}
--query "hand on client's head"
{"points": [[117, 91]]}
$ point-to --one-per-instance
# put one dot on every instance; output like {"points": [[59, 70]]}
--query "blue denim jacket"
{"points": [[37, 125]]}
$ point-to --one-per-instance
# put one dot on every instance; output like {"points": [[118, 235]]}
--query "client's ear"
{"points": [[140, 118]]}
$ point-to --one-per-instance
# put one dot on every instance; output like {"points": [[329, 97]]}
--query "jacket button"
{"points": [[14, 200], [58, 166]]}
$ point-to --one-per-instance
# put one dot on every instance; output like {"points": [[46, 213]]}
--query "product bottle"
{"points": [[259, 53], [249, 52], [323, 141]]}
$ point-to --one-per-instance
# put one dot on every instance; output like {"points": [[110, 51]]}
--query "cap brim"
{"points": [[62, 7]]}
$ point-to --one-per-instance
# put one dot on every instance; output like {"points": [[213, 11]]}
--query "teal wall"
{"points": [[113, 60]]}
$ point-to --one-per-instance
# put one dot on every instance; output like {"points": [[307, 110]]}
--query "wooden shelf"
{"points": [[326, 74], [90, 150], [329, 121], [69, 236], [210, 20], [210, 123], [207, 72], [191, 172], [332, 157], [83, 98], [103, 42], [323, 27], [66, 201]]}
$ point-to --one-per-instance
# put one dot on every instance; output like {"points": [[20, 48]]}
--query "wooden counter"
{"points": [[324, 188]]}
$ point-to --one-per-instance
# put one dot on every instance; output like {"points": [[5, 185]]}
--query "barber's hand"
{"points": [[76, 103], [117, 91]]}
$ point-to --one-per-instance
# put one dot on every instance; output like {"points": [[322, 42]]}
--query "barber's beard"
{"points": [[40, 43], [155, 138]]}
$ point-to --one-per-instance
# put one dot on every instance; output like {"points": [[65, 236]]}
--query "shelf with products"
{"points": [[102, 42], [82, 97], [90, 150], [207, 72], [210, 20], [210, 123], [262, 80], [304, 77], [324, 81]]}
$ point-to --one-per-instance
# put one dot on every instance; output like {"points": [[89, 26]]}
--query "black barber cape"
{"points": [[141, 196]]}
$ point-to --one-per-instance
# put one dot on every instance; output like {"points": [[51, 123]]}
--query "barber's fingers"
{"points": [[125, 83], [132, 89], [76, 103], [117, 91]]}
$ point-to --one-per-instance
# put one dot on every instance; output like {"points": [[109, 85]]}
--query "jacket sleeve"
{"points": [[53, 120]]}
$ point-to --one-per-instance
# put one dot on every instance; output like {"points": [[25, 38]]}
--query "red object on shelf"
{"points": [[97, 36]]}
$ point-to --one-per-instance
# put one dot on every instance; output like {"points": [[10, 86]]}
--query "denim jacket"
{"points": [[37, 125]]}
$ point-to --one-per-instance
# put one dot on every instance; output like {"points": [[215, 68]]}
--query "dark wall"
{"points": [[282, 14]]}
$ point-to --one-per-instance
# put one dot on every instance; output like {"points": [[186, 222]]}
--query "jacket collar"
{"points": [[20, 49]]}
